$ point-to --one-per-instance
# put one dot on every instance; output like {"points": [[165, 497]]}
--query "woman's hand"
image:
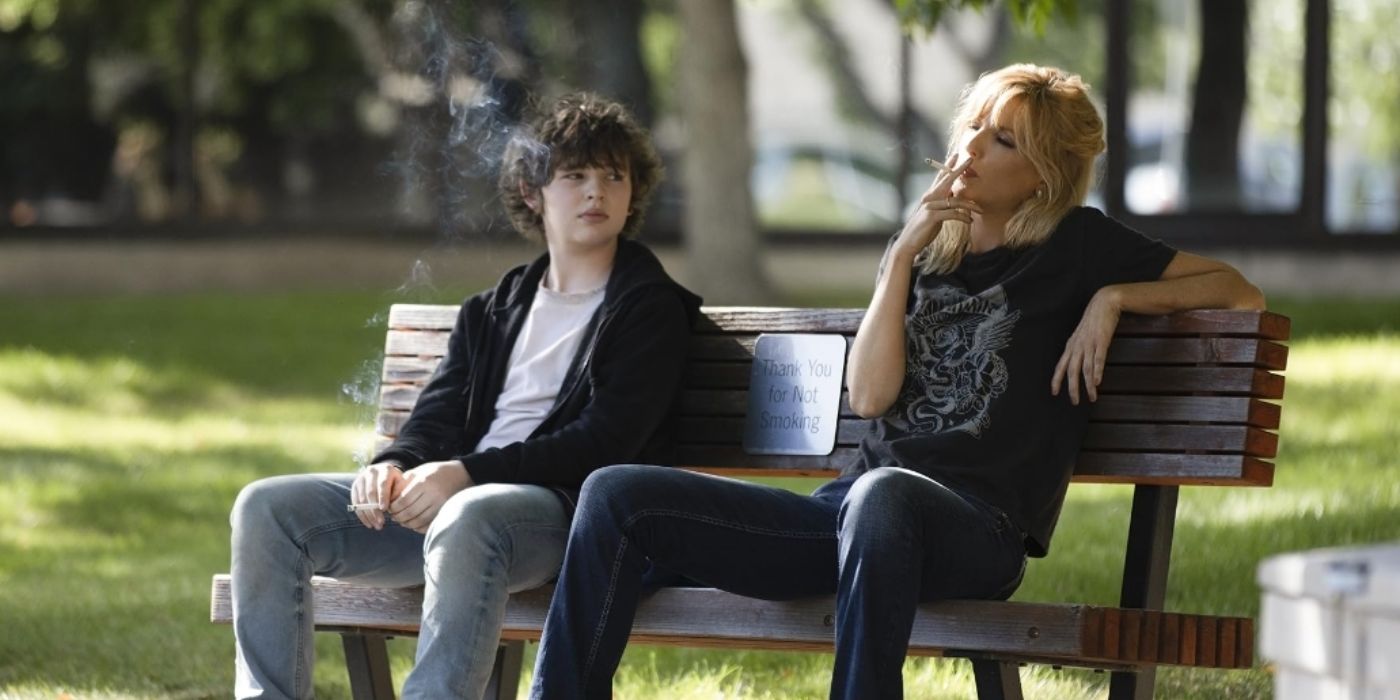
{"points": [[875, 366], [936, 206], [425, 489], [1087, 349], [377, 483]]}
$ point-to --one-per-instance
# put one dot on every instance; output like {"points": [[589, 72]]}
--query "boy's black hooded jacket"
{"points": [[611, 407]]}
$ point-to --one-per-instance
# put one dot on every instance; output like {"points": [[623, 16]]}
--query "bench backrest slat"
{"points": [[1235, 410], [1183, 401]]}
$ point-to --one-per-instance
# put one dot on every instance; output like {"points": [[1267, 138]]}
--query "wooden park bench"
{"points": [[1184, 401]]}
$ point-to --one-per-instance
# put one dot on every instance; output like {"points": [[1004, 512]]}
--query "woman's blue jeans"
{"points": [[881, 542], [487, 541]]}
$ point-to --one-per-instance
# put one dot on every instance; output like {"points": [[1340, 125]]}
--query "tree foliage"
{"points": [[1365, 57], [100, 66], [925, 14], [241, 47]]}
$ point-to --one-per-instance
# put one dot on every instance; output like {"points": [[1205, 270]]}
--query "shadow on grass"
{"points": [[304, 343], [109, 385], [154, 492], [104, 578], [1213, 563]]}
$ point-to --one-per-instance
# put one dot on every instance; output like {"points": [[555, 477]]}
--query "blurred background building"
{"points": [[1249, 124]]}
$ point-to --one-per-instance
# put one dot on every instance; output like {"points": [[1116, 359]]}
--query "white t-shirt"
{"points": [[539, 362]]}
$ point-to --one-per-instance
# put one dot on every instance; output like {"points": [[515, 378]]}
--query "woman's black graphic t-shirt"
{"points": [[975, 412]]}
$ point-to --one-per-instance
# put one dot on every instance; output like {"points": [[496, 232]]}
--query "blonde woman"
{"points": [[982, 348]]}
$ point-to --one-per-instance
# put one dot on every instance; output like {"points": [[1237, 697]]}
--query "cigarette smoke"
{"points": [[467, 104], [462, 104]]}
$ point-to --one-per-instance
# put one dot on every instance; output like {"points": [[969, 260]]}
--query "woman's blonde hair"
{"points": [[1056, 128]]}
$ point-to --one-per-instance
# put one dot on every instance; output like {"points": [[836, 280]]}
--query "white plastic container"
{"points": [[1330, 623]]}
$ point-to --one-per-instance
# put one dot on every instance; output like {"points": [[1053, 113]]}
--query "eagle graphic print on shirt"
{"points": [[953, 363]]}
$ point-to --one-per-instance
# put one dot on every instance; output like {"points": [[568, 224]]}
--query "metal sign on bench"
{"points": [[794, 394]]}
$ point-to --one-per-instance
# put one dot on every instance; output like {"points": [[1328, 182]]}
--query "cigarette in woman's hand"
{"points": [[939, 165], [354, 507]]}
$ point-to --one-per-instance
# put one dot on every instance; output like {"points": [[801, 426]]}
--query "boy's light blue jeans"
{"points": [[487, 542]]}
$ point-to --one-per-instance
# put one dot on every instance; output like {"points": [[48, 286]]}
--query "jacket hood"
{"points": [[635, 269]]}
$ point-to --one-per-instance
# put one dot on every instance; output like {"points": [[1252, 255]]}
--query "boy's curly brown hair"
{"points": [[580, 129]]}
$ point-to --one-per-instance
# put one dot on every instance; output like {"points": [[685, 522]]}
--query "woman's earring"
{"points": [[1040, 192]]}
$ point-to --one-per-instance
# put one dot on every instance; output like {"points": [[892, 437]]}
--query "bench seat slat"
{"points": [[688, 616], [1130, 408], [780, 320], [756, 319], [1236, 381], [1265, 324], [699, 402], [1172, 469], [1245, 381], [1144, 395], [1117, 379], [733, 457], [1091, 467], [416, 343], [762, 319], [1132, 350], [727, 348], [423, 316], [425, 344], [1196, 351], [1101, 436], [1166, 438], [1115, 408], [408, 370]]}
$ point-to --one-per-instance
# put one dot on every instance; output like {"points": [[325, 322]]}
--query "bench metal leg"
{"points": [[1150, 534], [367, 658], [1149, 554], [1132, 685], [997, 680], [505, 675]]}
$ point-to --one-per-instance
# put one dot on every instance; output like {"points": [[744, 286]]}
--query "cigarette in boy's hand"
{"points": [[938, 164], [354, 507]]}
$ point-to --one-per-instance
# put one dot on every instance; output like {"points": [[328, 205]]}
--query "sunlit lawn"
{"points": [[128, 425]]}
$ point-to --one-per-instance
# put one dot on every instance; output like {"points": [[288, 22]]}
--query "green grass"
{"points": [[128, 425]]}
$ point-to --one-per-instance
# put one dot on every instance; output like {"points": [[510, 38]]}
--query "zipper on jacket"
{"points": [[585, 366]]}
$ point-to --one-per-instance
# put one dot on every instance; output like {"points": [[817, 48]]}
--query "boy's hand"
{"points": [[378, 483], [424, 490]]}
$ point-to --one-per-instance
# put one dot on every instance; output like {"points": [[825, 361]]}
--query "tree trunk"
{"points": [[916, 135], [1217, 109], [725, 254], [186, 114], [610, 53]]}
